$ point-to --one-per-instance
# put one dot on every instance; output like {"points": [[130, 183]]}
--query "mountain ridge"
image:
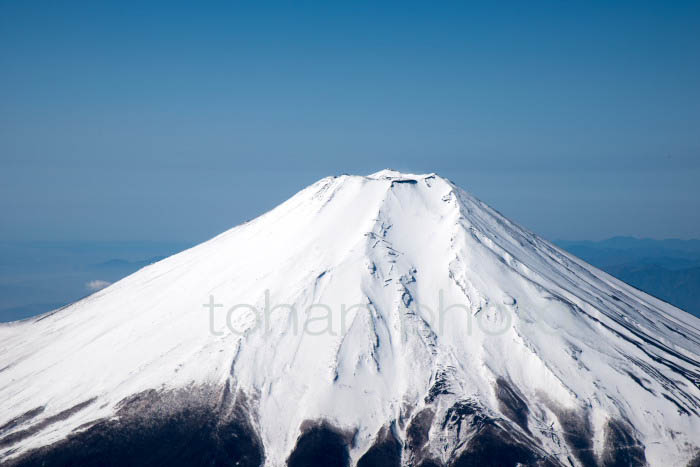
{"points": [[539, 359]]}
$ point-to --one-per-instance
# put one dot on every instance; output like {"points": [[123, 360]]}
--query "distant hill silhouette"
{"points": [[667, 269]]}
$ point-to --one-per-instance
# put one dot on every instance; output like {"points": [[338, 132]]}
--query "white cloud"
{"points": [[96, 285]]}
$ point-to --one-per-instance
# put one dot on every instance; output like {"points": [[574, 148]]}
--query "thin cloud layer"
{"points": [[96, 285]]}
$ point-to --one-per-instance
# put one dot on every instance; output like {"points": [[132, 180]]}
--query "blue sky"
{"points": [[173, 121]]}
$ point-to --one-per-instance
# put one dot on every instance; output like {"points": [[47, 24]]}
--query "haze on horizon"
{"points": [[174, 123]]}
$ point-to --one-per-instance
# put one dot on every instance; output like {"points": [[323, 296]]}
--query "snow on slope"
{"points": [[576, 365]]}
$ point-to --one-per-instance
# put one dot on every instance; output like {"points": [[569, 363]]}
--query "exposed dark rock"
{"points": [[429, 463], [25, 417], [178, 428], [494, 447], [578, 434], [681, 409], [512, 403], [18, 436], [385, 452], [621, 447], [417, 432], [320, 444], [439, 387], [214, 427], [461, 411], [490, 441], [695, 461]]}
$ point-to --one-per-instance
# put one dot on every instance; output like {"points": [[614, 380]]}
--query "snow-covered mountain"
{"points": [[392, 319]]}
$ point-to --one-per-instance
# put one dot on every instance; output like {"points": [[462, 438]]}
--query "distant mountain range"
{"points": [[36, 277], [667, 269]]}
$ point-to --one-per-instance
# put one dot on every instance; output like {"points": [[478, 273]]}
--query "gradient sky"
{"points": [[173, 121]]}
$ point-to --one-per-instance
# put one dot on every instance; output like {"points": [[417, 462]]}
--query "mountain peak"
{"points": [[391, 313], [389, 174]]}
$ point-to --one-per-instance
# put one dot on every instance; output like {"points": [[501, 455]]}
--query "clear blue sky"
{"points": [[173, 121]]}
